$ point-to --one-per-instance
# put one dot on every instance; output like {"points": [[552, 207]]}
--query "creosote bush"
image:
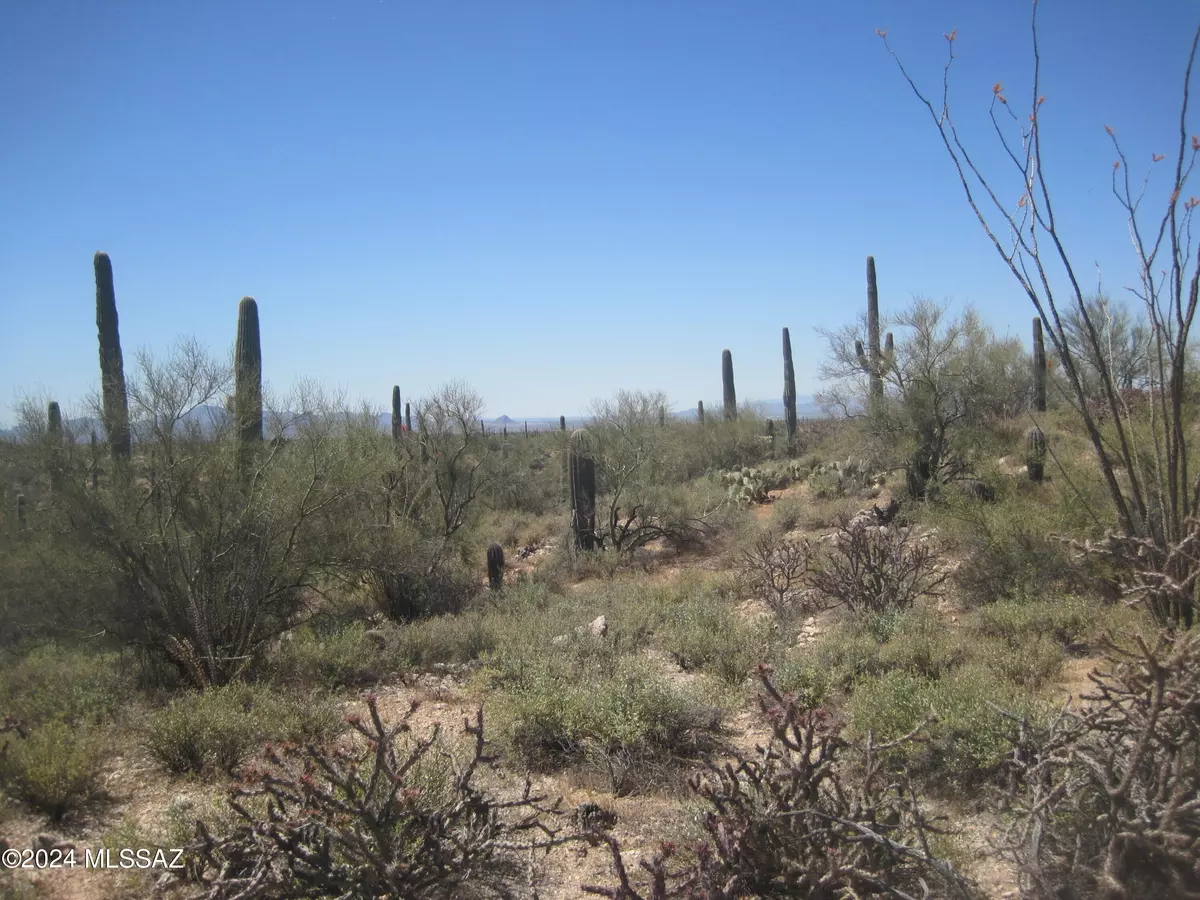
{"points": [[55, 768], [219, 728]]}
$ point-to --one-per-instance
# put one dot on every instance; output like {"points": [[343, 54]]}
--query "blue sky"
{"points": [[550, 200]]}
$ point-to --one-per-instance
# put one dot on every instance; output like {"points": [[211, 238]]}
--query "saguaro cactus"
{"points": [[562, 423], [94, 460], [1039, 367], [582, 468], [248, 375], [112, 367], [54, 431], [408, 417], [700, 411], [789, 389], [662, 417], [495, 566], [397, 415], [730, 395], [1035, 453], [21, 512], [874, 360]]}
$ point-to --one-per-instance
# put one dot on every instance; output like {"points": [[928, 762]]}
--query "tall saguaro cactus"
{"points": [[789, 389], [562, 423], [581, 466], [700, 411], [1039, 367], [112, 366], [729, 394], [247, 396], [397, 415], [875, 360], [407, 417]]}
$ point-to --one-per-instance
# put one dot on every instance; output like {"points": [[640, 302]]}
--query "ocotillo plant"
{"points": [[54, 431], [789, 389], [700, 411], [495, 566], [112, 367], [1039, 367], [247, 389], [874, 360], [1035, 453], [730, 395], [397, 411], [582, 467]]}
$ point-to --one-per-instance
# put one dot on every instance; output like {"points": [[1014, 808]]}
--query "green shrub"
{"points": [[219, 727], [562, 713], [1068, 620], [458, 638], [347, 657], [968, 739], [56, 769], [54, 684], [705, 633], [806, 683]]}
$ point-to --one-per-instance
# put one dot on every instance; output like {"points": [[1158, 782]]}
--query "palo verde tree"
{"points": [[1144, 460]]}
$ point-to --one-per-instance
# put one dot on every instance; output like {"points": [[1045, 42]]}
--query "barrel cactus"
{"points": [[1035, 453], [495, 566]]}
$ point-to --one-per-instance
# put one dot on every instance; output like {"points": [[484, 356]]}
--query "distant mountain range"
{"points": [[209, 418]]}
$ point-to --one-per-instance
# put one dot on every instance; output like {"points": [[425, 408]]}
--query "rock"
{"points": [[598, 627], [810, 621], [560, 640]]}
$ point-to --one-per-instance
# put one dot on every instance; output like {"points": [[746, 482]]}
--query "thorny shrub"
{"points": [[877, 569], [1105, 799], [793, 822], [776, 568], [362, 822]]}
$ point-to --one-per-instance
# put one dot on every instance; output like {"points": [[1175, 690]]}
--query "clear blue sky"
{"points": [[550, 200]]}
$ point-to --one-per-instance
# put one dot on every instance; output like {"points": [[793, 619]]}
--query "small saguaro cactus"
{"points": [[562, 423], [1039, 367], [407, 417], [581, 466], [789, 389], [94, 460], [397, 417], [874, 360], [1035, 453], [495, 566], [247, 390], [526, 429], [54, 431], [662, 417], [112, 368], [729, 395], [700, 411]]}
